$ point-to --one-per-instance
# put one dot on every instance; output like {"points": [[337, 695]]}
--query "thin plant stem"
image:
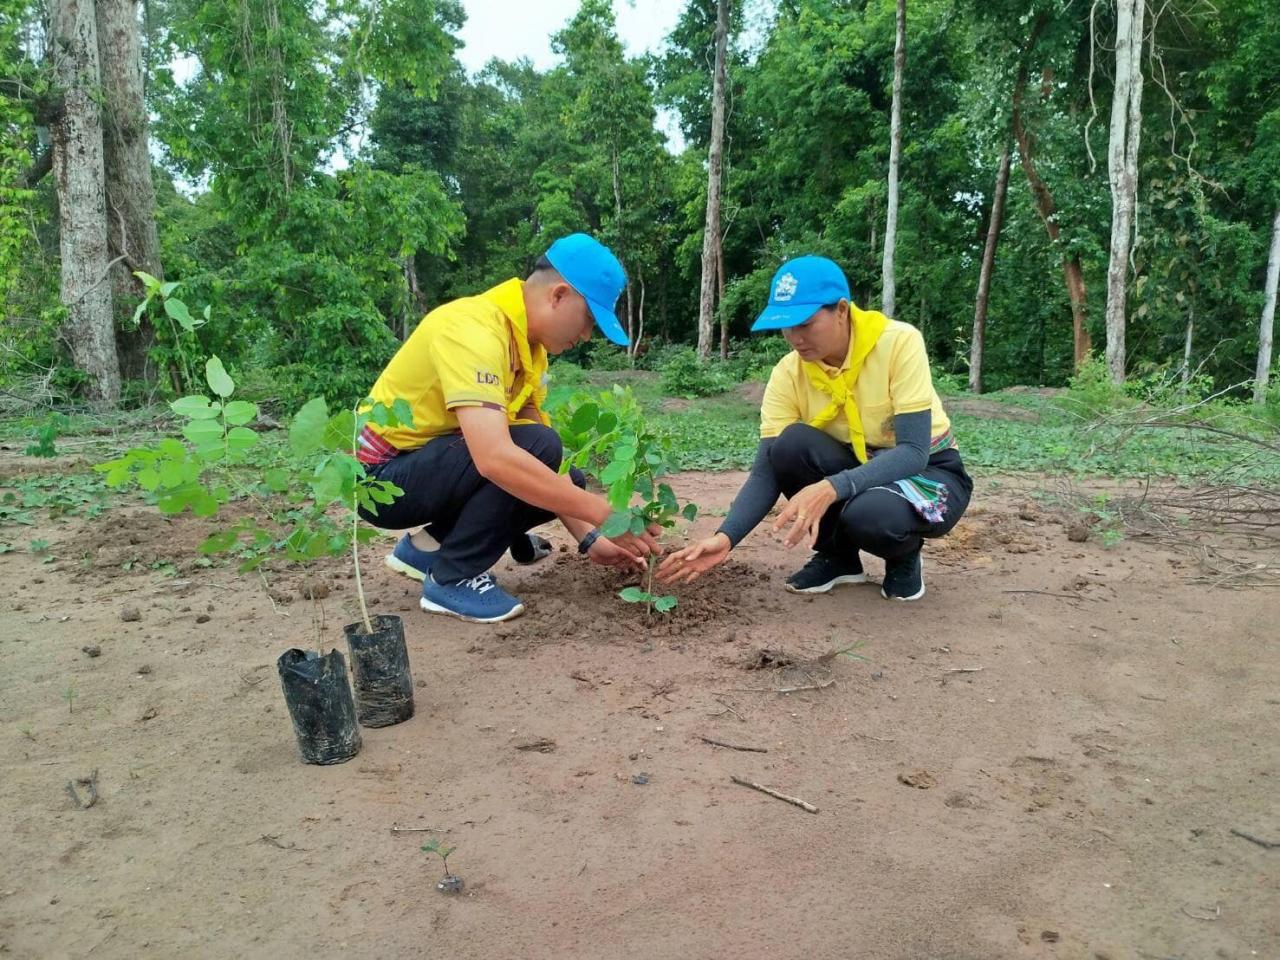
{"points": [[355, 523]]}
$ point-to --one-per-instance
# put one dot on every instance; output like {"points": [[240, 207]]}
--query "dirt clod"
{"points": [[130, 614], [920, 779], [203, 618], [91, 651]]}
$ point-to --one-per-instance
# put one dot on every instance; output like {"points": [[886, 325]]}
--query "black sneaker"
{"points": [[824, 571], [903, 578]]}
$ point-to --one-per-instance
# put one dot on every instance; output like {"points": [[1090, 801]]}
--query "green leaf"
{"points": [[339, 431], [277, 479], [615, 471], [690, 511], [306, 433], [625, 451], [203, 505], [633, 595], [620, 494], [166, 289], [218, 542], [402, 410], [663, 604], [215, 374], [203, 431], [179, 312], [638, 525], [607, 423], [194, 408], [239, 412], [240, 439], [619, 522], [148, 478], [584, 418]]}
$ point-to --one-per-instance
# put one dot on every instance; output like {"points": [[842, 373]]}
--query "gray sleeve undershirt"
{"points": [[906, 458]]}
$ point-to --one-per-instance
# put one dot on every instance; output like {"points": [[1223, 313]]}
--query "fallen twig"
{"points": [[1046, 593], [794, 801], [1148, 696], [732, 746], [965, 670], [1264, 844], [395, 829], [808, 686], [90, 783]]}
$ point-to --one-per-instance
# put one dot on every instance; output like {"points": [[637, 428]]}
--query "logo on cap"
{"points": [[785, 289]]}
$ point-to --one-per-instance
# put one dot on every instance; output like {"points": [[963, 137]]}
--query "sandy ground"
{"points": [[1043, 758]]}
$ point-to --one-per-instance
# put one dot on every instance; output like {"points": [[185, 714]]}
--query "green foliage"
{"points": [[607, 436], [56, 496], [46, 434], [685, 375], [289, 493], [437, 846]]}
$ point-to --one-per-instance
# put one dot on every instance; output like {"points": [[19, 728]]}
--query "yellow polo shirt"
{"points": [[894, 379], [462, 354]]}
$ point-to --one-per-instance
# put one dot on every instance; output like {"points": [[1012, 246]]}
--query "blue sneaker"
{"points": [[479, 599], [409, 560]]}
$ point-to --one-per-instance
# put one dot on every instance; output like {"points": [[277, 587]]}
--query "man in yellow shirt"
{"points": [[853, 433], [479, 466]]}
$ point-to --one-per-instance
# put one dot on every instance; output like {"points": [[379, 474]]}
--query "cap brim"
{"points": [[782, 317], [608, 323]]}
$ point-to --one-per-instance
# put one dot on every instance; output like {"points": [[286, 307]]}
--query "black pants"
{"points": [[875, 520], [474, 520]]}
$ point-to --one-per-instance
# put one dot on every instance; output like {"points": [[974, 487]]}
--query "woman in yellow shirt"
{"points": [[853, 433]]}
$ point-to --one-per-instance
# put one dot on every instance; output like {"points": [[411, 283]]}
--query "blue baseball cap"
{"points": [[799, 289], [590, 267]]}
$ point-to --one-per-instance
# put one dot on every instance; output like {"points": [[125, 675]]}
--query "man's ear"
{"points": [[560, 291]]}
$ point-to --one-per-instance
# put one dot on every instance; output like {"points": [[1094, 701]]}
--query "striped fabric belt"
{"points": [[372, 449], [927, 497]]}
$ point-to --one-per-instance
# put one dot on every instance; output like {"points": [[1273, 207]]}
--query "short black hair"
{"points": [[544, 270]]}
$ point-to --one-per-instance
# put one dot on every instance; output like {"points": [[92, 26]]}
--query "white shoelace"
{"points": [[479, 584]]}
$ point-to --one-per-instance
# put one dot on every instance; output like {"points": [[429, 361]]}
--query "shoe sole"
{"points": [[914, 596], [827, 587], [399, 566], [430, 607]]}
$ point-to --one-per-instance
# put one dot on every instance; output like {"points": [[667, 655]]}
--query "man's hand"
{"points": [[688, 564], [608, 554], [643, 545], [804, 512]]}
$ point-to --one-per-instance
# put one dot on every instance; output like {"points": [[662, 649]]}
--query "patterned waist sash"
{"points": [[372, 449], [927, 497]]}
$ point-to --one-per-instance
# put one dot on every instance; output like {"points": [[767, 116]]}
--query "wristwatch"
{"points": [[585, 543]]}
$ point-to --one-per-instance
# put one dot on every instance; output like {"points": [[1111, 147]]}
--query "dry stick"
{"points": [[1264, 844], [1046, 593], [794, 801], [965, 670], [395, 829], [732, 746], [807, 686]]}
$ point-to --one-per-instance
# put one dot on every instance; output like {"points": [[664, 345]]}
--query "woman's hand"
{"points": [[804, 512], [688, 564]]}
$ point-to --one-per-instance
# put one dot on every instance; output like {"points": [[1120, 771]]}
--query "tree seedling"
{"points": [[448, 883], [70, 695], [607, 437], [290, 489]]}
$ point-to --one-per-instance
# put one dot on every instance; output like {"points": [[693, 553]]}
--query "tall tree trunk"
{"points": [[1267, 323], [724, 317], [887, 289], [978, 347], [617, 214], [131, 196], [1071, 269], [82, 206], [415, 308], [711, 232], [1186, 347], [635, 343], [1122, 168]]}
